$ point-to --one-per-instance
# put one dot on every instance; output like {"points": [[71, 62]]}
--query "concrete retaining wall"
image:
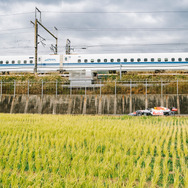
{"points": [[78, 104]]}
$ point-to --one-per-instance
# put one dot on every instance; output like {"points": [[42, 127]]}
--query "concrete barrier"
{"points": [[90, 104]]}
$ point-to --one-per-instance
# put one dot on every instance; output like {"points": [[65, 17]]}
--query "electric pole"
{"points": [[36, 46], [36, 37]]}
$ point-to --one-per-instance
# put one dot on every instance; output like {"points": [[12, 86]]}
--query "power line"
{"points": [[106, 45], [124, 29], [13, 29], [143, 51], [8, 31], [15, 14], [76, 28], [119, 12], [22, 47], [127, 45], [100, 12]]}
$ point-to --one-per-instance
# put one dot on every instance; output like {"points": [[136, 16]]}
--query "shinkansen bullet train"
{"points": [[96, 62]]}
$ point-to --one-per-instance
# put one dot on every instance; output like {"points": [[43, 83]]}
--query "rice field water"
{"points": [[93, 151]]}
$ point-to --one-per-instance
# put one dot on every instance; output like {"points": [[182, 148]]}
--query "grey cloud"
{"points": [[107, 28], [6, 2]]}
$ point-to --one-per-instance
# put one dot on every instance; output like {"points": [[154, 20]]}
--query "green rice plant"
{"points": [[186, 178], [176, 178], [92, 151], [156, 175], [184, 140], [165, 177], [174, 161], [142, 181]]}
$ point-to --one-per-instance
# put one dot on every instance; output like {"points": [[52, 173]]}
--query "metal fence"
{"points": [[97, 88]]}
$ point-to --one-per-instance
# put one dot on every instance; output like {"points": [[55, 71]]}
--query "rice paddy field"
{"points": [[93, 151]]}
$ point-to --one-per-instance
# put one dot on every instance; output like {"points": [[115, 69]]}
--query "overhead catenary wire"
{"points": [[124, 29], [16, 14], [9, 31], [134, 44], [105, 45], [117, 12], [130, 28], [13, 29], [98, 12]]}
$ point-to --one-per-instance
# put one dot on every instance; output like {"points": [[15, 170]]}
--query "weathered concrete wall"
{"points": [[79, 104]]}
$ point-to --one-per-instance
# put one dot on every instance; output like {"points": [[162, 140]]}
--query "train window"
{"points": [[39, 59], [152, 59], [25, 61], [132, 60], [105, 60], [111, 60], [118, 60], [179, 59], [186, 59], [92, 60], [85, 60], [79, 60], [19, 61], [65, 58], [7, 62], [145, 59], [31, 61], [173, 59], [125, 60], [98, 60], [159, 59], [138, 59], [166, 59], [1, 62], [13, 62]]}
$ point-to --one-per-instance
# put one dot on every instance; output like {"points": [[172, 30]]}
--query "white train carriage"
{"points": [[96, 62], [127, 62], [47, 63]]}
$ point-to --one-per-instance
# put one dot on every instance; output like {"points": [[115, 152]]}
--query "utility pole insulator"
{"points": [[68, 46]]}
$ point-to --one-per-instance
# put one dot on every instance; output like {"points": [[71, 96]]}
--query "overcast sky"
{"points": [[108, 26]]}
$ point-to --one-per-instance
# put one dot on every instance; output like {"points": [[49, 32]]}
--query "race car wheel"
{"points": [[172, 113], [147, 114], [139, 113]]}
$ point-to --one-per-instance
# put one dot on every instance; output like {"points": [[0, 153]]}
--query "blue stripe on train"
{"points": [[106, 63], [126, 63], [29, 65]]}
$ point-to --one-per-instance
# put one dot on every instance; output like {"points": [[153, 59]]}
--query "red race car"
{"points": [[156, 111]]}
